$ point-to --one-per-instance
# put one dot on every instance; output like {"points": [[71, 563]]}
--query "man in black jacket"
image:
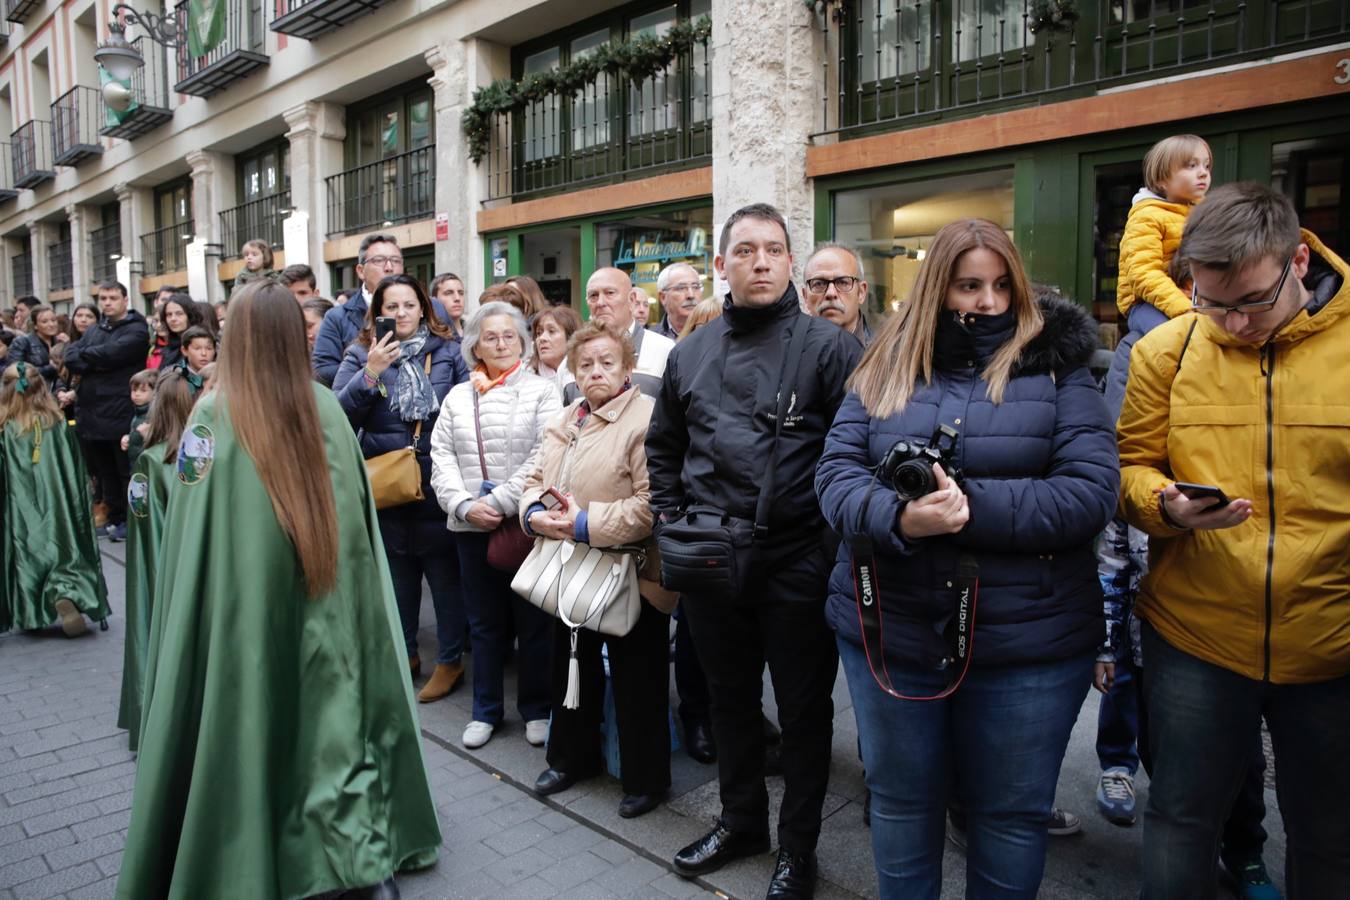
{"points": [[711, 437], [105, 358]]}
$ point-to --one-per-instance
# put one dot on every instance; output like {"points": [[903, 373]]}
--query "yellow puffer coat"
{"points": [[1152, 234], [1269, 598]]}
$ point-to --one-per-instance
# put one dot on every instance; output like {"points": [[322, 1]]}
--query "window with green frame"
{"points": [[390, 123]]}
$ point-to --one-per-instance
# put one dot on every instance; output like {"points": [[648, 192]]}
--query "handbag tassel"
{"points": [[573, 698]]}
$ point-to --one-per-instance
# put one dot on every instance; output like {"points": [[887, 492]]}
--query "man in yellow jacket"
{"points": [[1246, 606]]}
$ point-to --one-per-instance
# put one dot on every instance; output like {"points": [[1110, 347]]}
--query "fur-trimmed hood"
{"points": [[1067, 340]]}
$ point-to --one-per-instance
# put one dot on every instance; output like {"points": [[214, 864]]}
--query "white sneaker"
{"points": [[476, 734], [536, 732]]}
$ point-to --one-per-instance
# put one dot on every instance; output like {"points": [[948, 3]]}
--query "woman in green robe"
{"points": [[52, 573], [279, 749], [147, 499]]}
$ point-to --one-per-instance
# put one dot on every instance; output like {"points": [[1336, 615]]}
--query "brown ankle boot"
{"points": [[442, 681], [100, 515]]}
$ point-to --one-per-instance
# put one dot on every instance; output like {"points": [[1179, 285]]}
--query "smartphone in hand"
{"points": [[554, 501], [1203, 491], [384, 325]]}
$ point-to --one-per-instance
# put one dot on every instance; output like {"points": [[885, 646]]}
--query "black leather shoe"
{"points": [[634, 805], [717, 848], [551, 781], [699, 743], [794, 877]]}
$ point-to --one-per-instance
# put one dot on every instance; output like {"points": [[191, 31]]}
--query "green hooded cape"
{"points": [[50, 549], [279, 749], [147, 497]]}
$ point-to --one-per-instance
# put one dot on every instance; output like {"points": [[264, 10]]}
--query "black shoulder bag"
{"points": [[707, 550]]}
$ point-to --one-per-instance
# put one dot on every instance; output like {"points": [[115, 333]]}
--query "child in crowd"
{"points": [[1176, 177], [199, 350], [142, 392], [257, 263], [50, 571]]}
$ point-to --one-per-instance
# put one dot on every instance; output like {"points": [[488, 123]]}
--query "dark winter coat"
{"points": [[1041, 474], [713, 424], [380, 430], [31, 349], [337, 332], [106, 357]]}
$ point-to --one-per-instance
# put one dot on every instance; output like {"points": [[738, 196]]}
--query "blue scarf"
{"points": [[413, 398]]}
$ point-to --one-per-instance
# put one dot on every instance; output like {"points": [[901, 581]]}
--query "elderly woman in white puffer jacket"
{"points": [[483, 448]]}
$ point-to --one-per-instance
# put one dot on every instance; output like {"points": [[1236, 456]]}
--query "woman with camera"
{"points": [[391, 384], [965, 597], [590, 485]]}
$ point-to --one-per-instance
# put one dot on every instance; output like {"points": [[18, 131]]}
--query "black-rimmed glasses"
{"points": [[1200, 304], [843, 284]]}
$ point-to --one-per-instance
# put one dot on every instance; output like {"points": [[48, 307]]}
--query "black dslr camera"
{"points": [[909, 467]]}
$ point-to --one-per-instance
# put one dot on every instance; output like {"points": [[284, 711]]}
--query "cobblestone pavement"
{"points": [[66, 777]]}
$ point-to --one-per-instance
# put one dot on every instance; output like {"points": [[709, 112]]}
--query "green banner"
{"points": [[206, 26], [119, 102]]}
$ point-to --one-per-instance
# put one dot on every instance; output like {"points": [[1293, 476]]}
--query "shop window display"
{"points": [[643, 245]]}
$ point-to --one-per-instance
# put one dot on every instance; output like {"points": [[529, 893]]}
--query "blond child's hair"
{"points": [[1171, 153]]}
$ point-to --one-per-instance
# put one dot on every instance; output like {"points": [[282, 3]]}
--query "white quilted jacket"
{"points": [[513, 416]]}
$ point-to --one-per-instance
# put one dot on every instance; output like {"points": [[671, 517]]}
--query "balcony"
{"points": [[309, 19], [398, 189], [4, 32], [18, 10], [32, 149], [237, 56], [613, 130], [149, 107], [7, 189], [60, 266], [21, 267], [258, 219], [75, 126], [104, 244], [896, 63], [165, 249]]}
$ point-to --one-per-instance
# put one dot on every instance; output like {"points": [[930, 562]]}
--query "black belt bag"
{"points": [[705, 550]]}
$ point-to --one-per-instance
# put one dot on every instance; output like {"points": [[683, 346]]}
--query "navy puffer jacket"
{"points": [[1041, 474], [380, 430]]}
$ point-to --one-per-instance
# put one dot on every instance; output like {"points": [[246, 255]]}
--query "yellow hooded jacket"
{"points": [[1152, 235], [1270, 598]]}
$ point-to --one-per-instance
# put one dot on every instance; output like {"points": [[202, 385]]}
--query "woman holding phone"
{"points": [[393, 379]]}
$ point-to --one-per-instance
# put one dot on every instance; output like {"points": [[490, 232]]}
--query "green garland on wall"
{"points": [[638, 59]]}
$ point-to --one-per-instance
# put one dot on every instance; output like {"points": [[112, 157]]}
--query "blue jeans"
{"points": [[1201, 719], [1004, 731], [493, 608], [1118, 719], [439, 565]]}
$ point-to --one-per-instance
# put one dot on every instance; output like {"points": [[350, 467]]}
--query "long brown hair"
{"points": [[265, 381], [529, 297], [169, 411], [34, 406], [376, 309], [902, 351]]}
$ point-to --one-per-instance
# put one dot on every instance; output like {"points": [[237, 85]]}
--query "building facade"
{"points": [[548, 138]]}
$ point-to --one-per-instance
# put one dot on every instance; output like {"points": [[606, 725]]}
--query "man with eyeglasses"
{"points": [[836, 289], [1246, 608], [679, 287], [377, 258]]}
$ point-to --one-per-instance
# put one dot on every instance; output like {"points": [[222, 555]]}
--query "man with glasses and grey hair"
{"points": [[378, 257], [1235, 460], [679, 287], [836, 289]]}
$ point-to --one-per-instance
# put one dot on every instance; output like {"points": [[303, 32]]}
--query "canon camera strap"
{"points": [[958, 630]]}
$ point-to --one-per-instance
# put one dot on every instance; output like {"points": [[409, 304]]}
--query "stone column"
{"points": [[41, 235], [81, 258], [458, 69], [764, 116], [137, 216], [316, 134], [213, 190], [9, 247]]}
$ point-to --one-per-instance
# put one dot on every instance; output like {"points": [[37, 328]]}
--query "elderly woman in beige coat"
{"points": [[593, 455]]}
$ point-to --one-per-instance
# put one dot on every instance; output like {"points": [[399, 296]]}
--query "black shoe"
{"points": [[699, 743], [634, 805], [552, 781], [794, 877], [717, 848]]}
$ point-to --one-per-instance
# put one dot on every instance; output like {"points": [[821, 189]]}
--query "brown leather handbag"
{"points": [[508, 544], [395, 477]]}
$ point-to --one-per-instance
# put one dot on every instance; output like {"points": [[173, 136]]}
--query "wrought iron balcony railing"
{"points": [[18, 11], [614, 129], [75, 120], [149, 96], [398, 189], [60, 266], [165, 249], [31, 145], [258, 219], [7, 189], [104, 244], [309, 19], [238, 55], [894, 63]]}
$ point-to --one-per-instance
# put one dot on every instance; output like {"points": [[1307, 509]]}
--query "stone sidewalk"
{"points": [[66, 779]]}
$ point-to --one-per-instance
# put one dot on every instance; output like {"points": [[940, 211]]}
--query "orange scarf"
{"points": [[480, 381]]}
